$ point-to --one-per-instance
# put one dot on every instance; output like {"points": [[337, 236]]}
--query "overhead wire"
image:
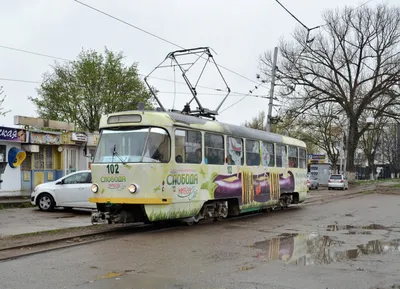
{"points": [[169, 92], [34, 53], [240, 100], [156, 36], [143, 75]]}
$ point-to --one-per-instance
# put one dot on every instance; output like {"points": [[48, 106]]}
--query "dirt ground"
{"points": [[350, 242], [28, 225]]}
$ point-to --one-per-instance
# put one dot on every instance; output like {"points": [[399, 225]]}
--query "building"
{"points": [[52, 153], [11, 140], [44, 159]]}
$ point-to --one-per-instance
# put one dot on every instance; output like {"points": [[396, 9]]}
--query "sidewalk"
{"points": [[22, 201]]}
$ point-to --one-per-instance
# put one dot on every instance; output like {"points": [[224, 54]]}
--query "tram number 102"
{"points": [[113, 169]]}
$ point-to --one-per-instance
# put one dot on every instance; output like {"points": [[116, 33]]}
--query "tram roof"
{"points": [[161, 118]]}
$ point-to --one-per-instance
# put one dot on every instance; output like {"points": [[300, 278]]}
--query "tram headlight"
{"points": [[95, 188], [133, 188]]}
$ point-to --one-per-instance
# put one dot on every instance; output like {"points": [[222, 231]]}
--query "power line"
{"points": [[243, 98], [68, 60], [319, 26], [158, 78], [169, 92], [35, 53], [19, 80], [152, 34], [143, 75]]}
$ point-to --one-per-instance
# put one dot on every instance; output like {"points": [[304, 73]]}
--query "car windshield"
{"points": [[133, 146], [336, 177]]}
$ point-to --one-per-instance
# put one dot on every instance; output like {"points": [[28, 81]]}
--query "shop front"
{"points": [[11, 158], [44, 159]]}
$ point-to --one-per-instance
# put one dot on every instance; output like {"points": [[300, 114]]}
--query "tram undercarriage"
{"points": [[213, 209]]}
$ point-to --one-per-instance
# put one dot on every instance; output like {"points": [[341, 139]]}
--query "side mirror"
{"points": [[59, 183]]}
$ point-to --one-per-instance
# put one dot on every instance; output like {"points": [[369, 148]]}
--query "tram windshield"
{"points": [[133, 146]]}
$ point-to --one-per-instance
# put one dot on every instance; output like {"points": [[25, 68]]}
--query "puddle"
{"points": [[313, 249], [358, 233], [336, 227]]}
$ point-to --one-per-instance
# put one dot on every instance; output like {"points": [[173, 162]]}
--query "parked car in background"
{"points": [[312, 183], [338, 182], [70, 191]]}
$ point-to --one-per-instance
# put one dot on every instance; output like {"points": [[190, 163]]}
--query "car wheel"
{"points": [[46, 202]]}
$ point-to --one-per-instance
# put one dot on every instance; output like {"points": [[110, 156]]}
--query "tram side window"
{"points": [[302, 158], [235, 151], [252, 153], [214, 149], [281, 156], [293, 157], [267, 154], [188, 146]]}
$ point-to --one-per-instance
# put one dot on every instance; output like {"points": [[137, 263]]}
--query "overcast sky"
{"points": [[238, 31]]}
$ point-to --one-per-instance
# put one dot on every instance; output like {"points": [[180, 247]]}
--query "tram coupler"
{"points": [[99, 218]]}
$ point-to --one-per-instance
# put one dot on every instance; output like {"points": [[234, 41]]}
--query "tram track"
{"points": [[23, 250]]}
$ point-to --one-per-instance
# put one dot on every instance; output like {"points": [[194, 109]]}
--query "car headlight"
{"points": [[95, 188], [133, 188]]}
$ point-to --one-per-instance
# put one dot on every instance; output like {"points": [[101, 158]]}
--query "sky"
{"points": [[238, 31]]}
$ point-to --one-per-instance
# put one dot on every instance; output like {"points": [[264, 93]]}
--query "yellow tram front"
{"points": [[133, 152]]}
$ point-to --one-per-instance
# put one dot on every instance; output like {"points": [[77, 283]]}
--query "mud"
{"points": [[306, 247]]}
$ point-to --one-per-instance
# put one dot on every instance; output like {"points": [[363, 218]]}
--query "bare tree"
{"points": [[390, 149], [353, 62], [2, 98], [324, 128], [371, 141], [287, 126]]}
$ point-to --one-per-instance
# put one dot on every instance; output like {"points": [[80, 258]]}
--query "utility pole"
{"points": [[271, 91]]}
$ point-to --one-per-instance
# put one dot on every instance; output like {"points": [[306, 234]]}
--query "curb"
{"points": [[6, 204]]}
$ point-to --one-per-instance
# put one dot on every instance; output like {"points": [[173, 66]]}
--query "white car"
{"points": [[70, 191], [338, 182]]}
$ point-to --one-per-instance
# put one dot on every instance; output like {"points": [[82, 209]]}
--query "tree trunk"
{"points": [[371, 167], [352, 142]]}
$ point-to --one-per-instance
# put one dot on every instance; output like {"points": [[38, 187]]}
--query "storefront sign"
{"points": [[316, 158], [44, 138], [80, 137], [12, 134]]}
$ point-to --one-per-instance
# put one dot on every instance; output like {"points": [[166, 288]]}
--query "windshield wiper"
{"points": [[115, 153]]}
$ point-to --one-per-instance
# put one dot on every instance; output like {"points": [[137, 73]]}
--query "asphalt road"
{"points": [[351, 243]]}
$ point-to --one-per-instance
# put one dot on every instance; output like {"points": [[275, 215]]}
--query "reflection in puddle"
{"points": [[301, 249]]}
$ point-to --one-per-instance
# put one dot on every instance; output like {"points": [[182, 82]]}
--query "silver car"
{"points": [[338, 182], [312, 183]]}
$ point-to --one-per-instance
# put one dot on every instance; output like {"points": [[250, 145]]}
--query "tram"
{"points": [[157, 165]]}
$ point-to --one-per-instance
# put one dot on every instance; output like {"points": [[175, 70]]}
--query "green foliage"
{"points": [[258, 122], [94, 84]]}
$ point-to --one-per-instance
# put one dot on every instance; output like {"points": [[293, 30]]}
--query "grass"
{"points": [[395, 186], [178, 214]]}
